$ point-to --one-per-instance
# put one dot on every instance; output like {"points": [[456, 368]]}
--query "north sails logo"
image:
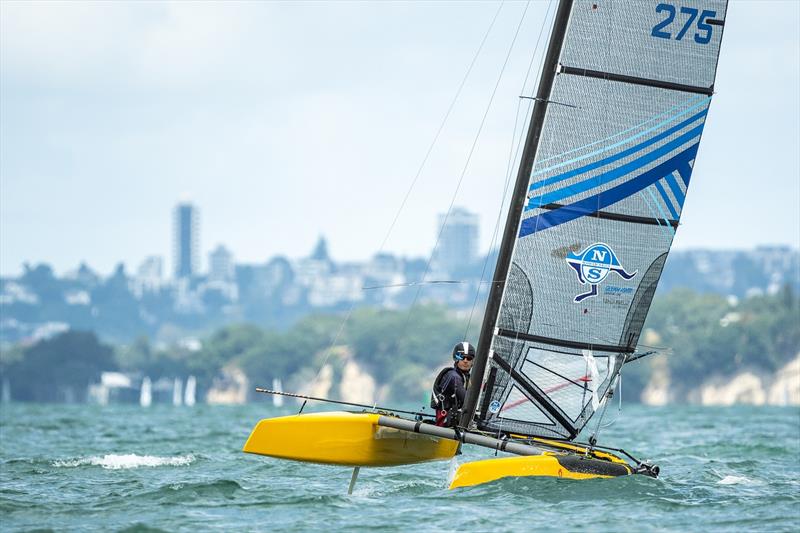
{"points": [[593, 265]]}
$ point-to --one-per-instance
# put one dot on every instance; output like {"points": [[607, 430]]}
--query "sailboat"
{"points": [[146, 392], [277, 386], [177, 391], [622, 100], [190, 391]]}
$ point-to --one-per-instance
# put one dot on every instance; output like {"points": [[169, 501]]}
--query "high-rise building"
{"points": [[148, 275], [186, 240], [458, 245], [220, 265]]}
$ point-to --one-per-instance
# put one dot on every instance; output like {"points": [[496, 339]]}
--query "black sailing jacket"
{"points": [[452, 384]]}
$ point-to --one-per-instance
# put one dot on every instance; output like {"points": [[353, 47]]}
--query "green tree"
{"points": [[224, 346], [388, 341], [709, 335], [142, 357], [60, 368], [280, 355]]}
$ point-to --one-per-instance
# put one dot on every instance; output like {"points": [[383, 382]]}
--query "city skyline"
{"points": [[457, 242], [100, 137]]}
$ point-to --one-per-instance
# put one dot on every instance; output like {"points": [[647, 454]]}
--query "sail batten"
{"points": [[637, 81], [654, 221], [602, 201], [563, 342]]}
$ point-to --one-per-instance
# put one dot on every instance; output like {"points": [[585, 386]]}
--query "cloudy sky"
{"points": [[285, 121]]}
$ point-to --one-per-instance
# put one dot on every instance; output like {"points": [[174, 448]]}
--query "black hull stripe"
{"points": [[592, 466]]}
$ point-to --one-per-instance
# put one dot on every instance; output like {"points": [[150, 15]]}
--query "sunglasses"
{"points": [[468, 357]]}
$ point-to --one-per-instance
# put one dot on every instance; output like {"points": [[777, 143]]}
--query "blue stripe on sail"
{"points": [[667, 201], [623, 141], [690, 101], [618, 155], [685, 172], [595, 203], [602, 162], [668, 228], [611, 175], [676, 191]]}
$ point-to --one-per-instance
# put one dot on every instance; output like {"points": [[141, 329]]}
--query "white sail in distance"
{"points": [[190, 392], [146, 393], [277, 399]]}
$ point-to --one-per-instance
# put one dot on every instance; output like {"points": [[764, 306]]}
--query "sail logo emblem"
{"points": [[593, 265]]}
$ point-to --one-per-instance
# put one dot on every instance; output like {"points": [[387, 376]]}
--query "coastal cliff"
{"points": [[749, 387], [342, 377]]}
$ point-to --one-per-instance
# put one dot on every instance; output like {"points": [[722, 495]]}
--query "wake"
{"points": [[127, 461]]}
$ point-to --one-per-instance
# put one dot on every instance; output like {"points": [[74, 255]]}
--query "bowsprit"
{"points": [[593, 266]]}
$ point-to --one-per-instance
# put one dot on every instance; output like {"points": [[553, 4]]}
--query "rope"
{"points": [[512, 158], [346, 319], [466, 164], [619, 405]]}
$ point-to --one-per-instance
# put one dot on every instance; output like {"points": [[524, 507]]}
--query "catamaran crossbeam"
{"points": [[465, 437]]}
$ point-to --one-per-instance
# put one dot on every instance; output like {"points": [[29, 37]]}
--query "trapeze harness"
{"points": [[449, 389]]}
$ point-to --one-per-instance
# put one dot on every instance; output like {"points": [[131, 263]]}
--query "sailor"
{"points": [[450, 386]]}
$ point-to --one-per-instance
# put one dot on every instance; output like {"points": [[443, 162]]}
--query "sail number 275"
{"points": [[704, 29]]}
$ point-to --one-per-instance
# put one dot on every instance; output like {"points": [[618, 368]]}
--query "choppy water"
{"points": [[131, 469]]}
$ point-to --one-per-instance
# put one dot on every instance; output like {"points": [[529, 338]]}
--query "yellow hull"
{"points": [[347, 439], [567, 466]]}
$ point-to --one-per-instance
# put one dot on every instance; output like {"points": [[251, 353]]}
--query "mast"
{"points": [[497, 285]]}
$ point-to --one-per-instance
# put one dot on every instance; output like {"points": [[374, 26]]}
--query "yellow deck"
{"points": [[347, 439]]}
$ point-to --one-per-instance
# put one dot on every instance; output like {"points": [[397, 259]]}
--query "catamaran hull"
{"points": [[346, 439], [548, 465], [567, 460]]}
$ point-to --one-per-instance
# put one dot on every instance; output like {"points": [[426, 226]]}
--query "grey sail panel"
{"points": [[548, 392], [605, 196], [667, 41]]}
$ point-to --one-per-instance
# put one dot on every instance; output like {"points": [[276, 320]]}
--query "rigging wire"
{"points": [[512, 158], [466, 164], [619, 405], [415, 283], [441, 127], [422, 165], [428, 282]]}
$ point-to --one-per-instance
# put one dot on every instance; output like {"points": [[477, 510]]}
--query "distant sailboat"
{"points": [[177, 392], [190, 392], [6, 397], [146, 394], [277, 399]]}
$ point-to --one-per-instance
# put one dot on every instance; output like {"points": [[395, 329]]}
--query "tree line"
{"points": [[707, 335]]}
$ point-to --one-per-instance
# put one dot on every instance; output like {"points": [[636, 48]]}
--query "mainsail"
{"points": [[622, 101]]}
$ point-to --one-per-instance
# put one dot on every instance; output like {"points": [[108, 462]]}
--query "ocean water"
{"points": [[125, 468]]}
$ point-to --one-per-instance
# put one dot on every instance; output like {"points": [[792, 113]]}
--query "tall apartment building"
{"points": [[220, 265], [458, 245], [149, 275], [186, 240]]}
